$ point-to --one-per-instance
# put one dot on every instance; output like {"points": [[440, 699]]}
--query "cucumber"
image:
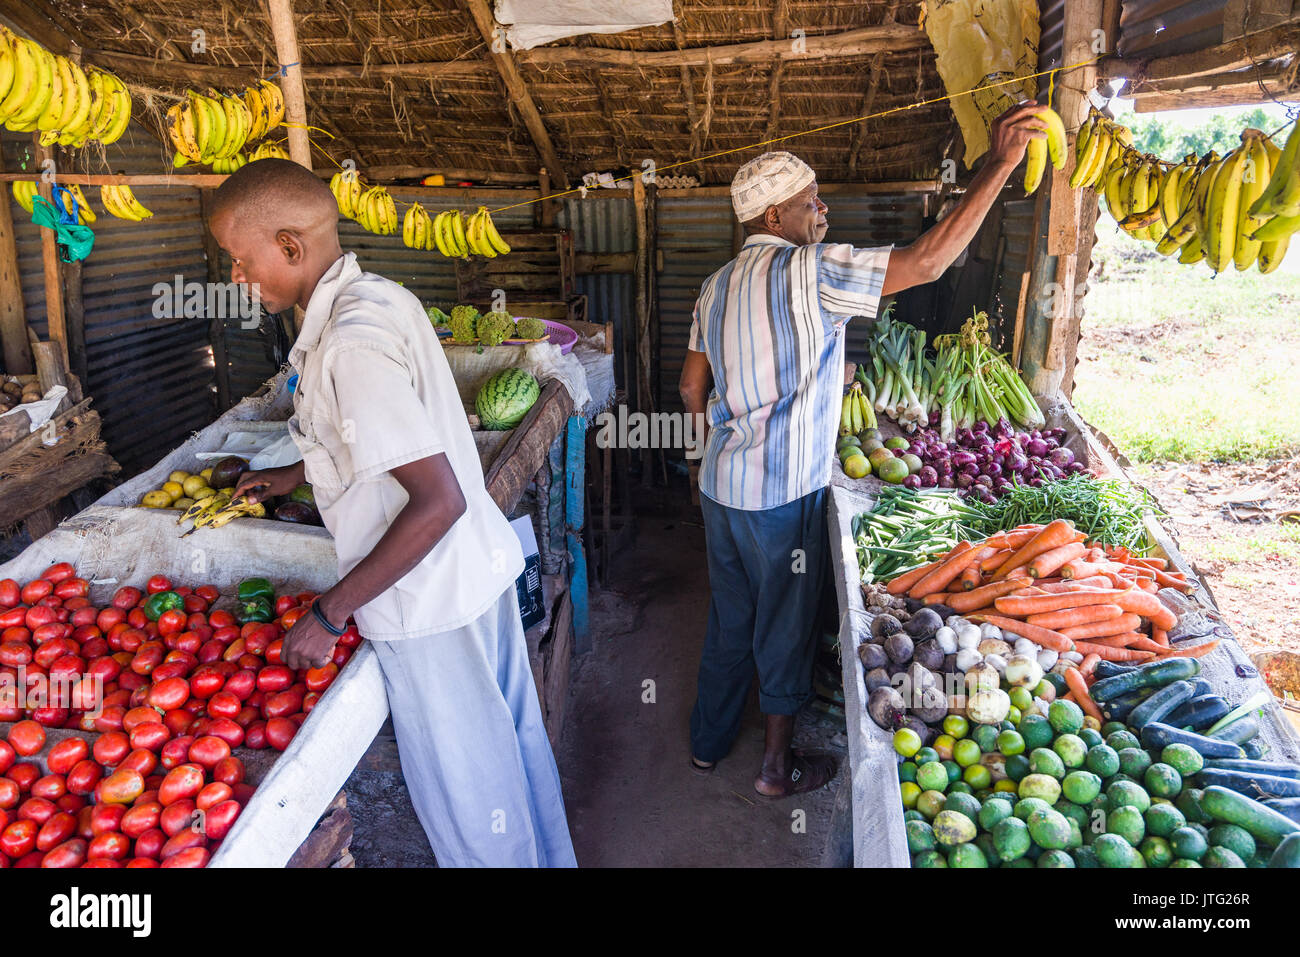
{"points": [[1199, 713], [1274, 768], [1288, 807], [1119, 708], [1265, 823], [1154, 674], [1254, 749], [1202, 688], [1109, 669], [1240, 731], [1160, 704], [1287, 853], [1159, 736], [1250, 782]]}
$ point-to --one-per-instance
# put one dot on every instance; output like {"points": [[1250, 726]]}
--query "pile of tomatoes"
{"points": [[168, 701]]}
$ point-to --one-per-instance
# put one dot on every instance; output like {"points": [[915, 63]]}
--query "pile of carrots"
{"points": [[1044, 583]]}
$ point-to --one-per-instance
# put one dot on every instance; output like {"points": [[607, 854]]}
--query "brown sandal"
{"points": [[807, 773], [702, 767]]}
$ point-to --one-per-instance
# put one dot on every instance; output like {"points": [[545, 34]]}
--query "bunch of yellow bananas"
{"points": [[238, 161], [265, 105], [856, 413], [1241, 208], [25, 193], [218, 510], [482, 235], [451, 235], [268, 150], [1039, 151], [346, 187], [417, 228], [70, 106], [206, 128], [121, 202], [376, 212]]}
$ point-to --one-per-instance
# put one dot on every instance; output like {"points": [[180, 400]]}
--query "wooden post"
{"points": [[13, 323], [640, 323], [54, 315], [216, 324], [547, 208], [75, 320], [295, 97]]}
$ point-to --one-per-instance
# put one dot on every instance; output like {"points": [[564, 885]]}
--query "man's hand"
{"points": [[307, 644], [1010, 133], [267, 483]]}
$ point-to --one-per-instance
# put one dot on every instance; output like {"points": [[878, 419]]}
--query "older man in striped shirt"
{"points": [[765, 368]]}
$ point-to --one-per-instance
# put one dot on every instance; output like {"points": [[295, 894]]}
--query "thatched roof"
{"points": [[404, 84]]}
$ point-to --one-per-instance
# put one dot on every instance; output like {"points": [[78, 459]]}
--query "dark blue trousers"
{"points": [[766, 570]]}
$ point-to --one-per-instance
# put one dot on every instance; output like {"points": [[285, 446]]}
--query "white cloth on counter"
{"points": [[43, 409]]}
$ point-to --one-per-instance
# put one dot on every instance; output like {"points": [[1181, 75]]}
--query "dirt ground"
{"points": [[1239, 525]]}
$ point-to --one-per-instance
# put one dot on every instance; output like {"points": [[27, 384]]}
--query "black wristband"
{"points": [[325, 622]]}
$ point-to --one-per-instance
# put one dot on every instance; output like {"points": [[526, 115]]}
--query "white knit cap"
{"points": [[766, 181]]}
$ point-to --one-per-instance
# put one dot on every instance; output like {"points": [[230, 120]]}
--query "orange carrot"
{"points": [[1026, 592], [1053, 535], [1148, 606], [977, 597], [1085, 569], [970, 577], [1142, 643], [1068, 696], [1159, 563], [1102, 629], [1147, 585], [1048, 562], [1089, 665], [1020, 571], [1077, 584], [1041, 603], [991, 563], [906, 580], [1082, 615], [1169, 581], [1112, 654], [1160, 636], [952, 566], [1095, 554], [939, 597], [1118, 641], [1196, 651], [1079, 688], [1038, 635]]}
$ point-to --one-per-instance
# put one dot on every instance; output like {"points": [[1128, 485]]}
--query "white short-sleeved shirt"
{"points": [[375, 392]]}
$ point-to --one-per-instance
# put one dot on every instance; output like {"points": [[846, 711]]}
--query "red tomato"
{"points": [[224, 704], [177, 816], [141, 760], [39, 615], [176, 751], [60, 571], [72, 588], [282, 704], [15, 654], [191, 857], [19, 838], [59, 828], [19, 633], [121, 787], [194, 605], [182, 781], [209, 749], [138, 716], [132, 639], [136, 618], [234, 650], [14, 617], [292, 617], [68, 665], [223, 619], [141, 818], [85, 818], [177, 720], [83, 617], [208, 593], [51, 717], [68, 854], [72, 803], [7, 756], [10, 794], [318, 679], [229, 771], [110, 719], [206, 681], [110, 844], [84, 776], [158, 583], [131, 681], [168, 694], [37, 809], [274, 678], [195, 707], [213, 794], [34, 591], [188, 642], [107, 817], [142, 862], [149, 844], [148, 657], [53, 649], [279, 732], [51, 787], [25, 774], [273, 652], [27, 738], [10, 593], [151, 737], [219, 819], [247, 715], [309, 701], [255, 735], [250, 661], [171, 622], [211, 651], [256, 700], [106, 618], [185, 840], [126, 598], [244, 793]]}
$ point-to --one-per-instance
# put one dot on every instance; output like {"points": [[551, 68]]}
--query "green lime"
{"points": [[978, 776], [943, 746], [1091, 737], [1128, 794], [930, 803], [1005, 786], [953, 769], [967, 855], [1127, 822], [1027, 806], [1163, 781], [1013, 718], [907, 742], [1102, 760], [1043, 786], [960, 787], [932, 777], [1071, 750], [907, 771], [1184, 862], [1011, 742], [1234, 838], [1046, 761], [1134, 762], [929, 859], [912, 814], [1163, 819], [920, 836], [1081, 787], [1183, 758], [910, 793], [992, 811], [1157, 852], [1036, 731], [956, 725], [1017, 766], [966, 752], [986, 736], [1119, 740], [1021, 697], [925, 755], [1066, 717], [1056, 858], [1110, 727], [1050, 829], [1011, 837], [966, 804], [1221, 857]]}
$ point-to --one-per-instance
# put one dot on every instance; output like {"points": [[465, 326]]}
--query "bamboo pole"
{"points": [[55, 319], [13, 322], [295, 96]]}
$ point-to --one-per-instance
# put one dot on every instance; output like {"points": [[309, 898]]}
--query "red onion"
{"points": [[928, 476], [912, 481]]}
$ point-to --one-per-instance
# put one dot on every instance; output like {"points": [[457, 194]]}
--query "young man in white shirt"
{"points": [[427, 562]]}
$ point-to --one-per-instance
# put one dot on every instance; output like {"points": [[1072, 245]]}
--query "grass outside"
{"points": [[1178, 365]]}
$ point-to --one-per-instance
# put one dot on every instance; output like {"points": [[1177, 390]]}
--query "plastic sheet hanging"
{"points": [[981, 45], [74, 241]]}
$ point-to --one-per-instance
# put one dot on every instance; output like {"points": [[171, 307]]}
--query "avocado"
{"points": [[298, 513], [227, 471], [303, 494]]}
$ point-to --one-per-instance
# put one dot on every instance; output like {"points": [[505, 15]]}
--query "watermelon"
{"points": [[505, 399]]}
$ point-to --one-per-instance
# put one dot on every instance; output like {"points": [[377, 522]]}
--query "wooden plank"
{"points": [[1243, 17], [882, 187], [1063, 324], [517, 90], [556, 653], [1244, 94], [1233, 55], [191, 180], [290, 79], [13, 321], [525, 450], [55, 319], [1082, 18], [330, 838], [75, 316]]}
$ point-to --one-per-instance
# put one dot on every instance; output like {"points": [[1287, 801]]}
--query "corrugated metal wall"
{"points": [[604, 223], [152, 379], [1157, 28]]}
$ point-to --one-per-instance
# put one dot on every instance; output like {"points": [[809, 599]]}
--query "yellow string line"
{"points": [[820, 129]]}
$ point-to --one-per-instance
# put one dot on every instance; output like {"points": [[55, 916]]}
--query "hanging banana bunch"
{"points": [[268, 150], [376, 212], [68, 105], [417, 228], [346, 187], [121, 202], [1039, 151], [450, 235], [482, 236], [265, 104]]}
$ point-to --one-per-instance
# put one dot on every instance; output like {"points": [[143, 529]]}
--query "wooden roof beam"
{"points": [[688, 91], [1234, 55], [780, 31], [517, 90]]}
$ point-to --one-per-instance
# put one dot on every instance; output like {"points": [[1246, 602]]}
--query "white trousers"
{"points": [[473, 746]]}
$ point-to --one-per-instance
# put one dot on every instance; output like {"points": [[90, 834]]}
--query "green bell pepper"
{"points": [[251, 588], [256, 609], [161, 602]]}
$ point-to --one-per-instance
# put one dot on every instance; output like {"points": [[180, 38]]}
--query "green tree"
{"points": [[1171, 140]]}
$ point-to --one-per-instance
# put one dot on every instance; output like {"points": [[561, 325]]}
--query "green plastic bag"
{"points": [[74, 241]]}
